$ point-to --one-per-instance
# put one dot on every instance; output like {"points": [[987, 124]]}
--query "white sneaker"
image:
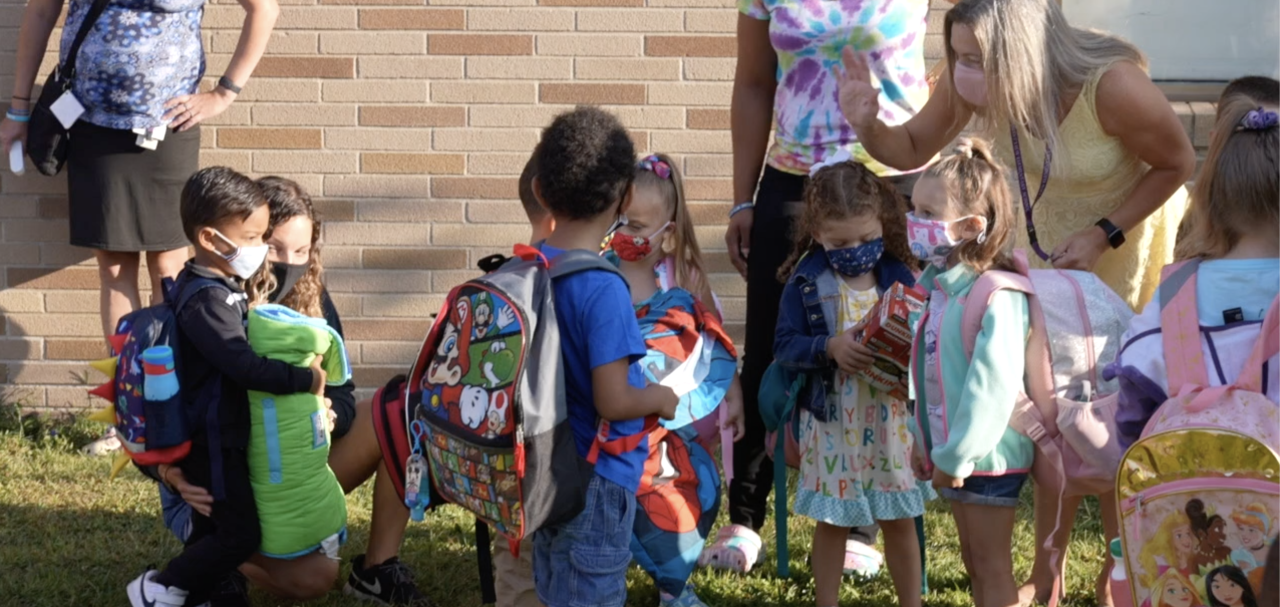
{"points": [[145, 593]]}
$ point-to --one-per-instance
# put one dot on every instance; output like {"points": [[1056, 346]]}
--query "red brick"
{"points": [[479, 44], [306, 67], [75, 349], [415, 259], [270, 139], [51, 278], [412, 19], [404, 115], [598, 94], [690, 46], [704, 119], [385, 330], [500, 188]]}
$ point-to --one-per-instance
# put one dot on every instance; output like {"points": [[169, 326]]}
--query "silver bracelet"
{"points": [[740, 208]]}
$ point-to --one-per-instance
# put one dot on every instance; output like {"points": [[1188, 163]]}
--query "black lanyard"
{"points": [[1027, 203]]}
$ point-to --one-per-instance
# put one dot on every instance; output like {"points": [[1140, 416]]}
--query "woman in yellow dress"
{"points": [[1077, 105]]}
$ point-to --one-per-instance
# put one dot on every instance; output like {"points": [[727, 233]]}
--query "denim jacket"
{"points": [[807, 317]]}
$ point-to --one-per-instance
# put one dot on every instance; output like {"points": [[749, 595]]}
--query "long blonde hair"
{"points": [[691, 273], [1032, 58], [1161, 545], [976, 185], [1172, 575], [1239, 187]]}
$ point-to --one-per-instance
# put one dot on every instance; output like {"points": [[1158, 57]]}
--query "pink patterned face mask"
{"points": [[931, 239]]}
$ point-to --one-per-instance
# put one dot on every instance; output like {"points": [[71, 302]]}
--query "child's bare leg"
{"points": [[902, 554], [990, 540], [962, 530], [1040, 585], [1111, 530], [828, 563], [302, 579]]}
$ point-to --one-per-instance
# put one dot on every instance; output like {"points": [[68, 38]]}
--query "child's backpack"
{"points": [[679, 492], [147, 410], [1205, 466], [779, 391], [487, 407], [1068, 409]]}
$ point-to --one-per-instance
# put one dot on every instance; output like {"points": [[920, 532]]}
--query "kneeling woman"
{"points": [[355, 456]]}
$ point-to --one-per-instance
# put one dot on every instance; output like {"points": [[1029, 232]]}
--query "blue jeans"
{"points": [[176, 512], [583, 563], [1001, 491]]}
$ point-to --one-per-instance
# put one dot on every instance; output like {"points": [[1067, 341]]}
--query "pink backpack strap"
{"points": [[1180, 328], [1267, 346]]}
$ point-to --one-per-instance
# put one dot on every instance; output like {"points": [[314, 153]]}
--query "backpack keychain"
{"points": [[417, 496]]}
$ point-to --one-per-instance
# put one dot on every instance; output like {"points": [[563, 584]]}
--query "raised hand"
{"points": [[859, 97]]}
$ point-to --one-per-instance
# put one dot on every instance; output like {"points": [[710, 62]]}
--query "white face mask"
{"points": [[244, 261]]}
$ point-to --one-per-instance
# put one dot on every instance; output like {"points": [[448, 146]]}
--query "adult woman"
{"points": [[784, 83], [356, 455], [139, 68], [1118, 154]]}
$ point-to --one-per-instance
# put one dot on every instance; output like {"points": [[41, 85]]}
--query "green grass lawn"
{"points": [[69, 536]]}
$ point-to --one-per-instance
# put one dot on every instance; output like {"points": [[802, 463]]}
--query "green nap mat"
{"points": [[300, 503]]}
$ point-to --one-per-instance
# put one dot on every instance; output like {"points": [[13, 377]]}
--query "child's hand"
{"points": [[733, 411], [669, 401], [197, 497], [919, 467], [331, 417], [849, 354], [942, 480], [318, 376]]}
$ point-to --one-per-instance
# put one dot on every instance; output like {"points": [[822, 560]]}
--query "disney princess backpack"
{"points": [[1199, 492]]}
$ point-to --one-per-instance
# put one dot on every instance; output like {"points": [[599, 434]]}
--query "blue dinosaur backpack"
{"points": [[147, 409]]}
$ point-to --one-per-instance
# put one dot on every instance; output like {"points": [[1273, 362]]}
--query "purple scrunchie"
{"points": [[1259, 120]]}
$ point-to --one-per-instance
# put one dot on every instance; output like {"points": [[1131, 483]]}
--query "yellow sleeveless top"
{"points": [[1096, 176]]}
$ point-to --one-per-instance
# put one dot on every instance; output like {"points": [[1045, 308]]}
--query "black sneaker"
{"points": [[390, 583], [233, 591]]}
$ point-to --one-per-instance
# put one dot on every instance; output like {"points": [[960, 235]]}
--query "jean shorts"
{"points": [[583, 563], [1001, 491]]}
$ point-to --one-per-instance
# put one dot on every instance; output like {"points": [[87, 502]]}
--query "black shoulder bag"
{"points": [[46, 137]]}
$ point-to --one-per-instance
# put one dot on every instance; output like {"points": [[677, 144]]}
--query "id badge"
{"points": [[67, 109]]}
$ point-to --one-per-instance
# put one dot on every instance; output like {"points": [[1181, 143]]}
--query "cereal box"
{"points": [[888, 333]]}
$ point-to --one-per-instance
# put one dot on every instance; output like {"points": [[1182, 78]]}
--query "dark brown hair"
{"points": [[532, 207], [976, 185], [844, 190], [216, 195]]}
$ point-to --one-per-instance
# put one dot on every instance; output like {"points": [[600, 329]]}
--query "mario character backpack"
{"points": [[147, 410], [1199, 492]]}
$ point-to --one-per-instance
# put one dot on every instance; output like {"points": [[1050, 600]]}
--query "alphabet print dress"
{"points": [[856, 468]]}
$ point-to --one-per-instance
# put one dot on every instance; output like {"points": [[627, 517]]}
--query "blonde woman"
{"points": [[1096, 150]]}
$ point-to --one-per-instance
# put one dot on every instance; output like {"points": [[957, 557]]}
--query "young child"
{"points": [[225, 216], [586, 164], [1234, 233], [963, 214], [851, 245], [657, 251]]}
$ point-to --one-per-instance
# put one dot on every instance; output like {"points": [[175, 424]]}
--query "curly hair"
{"points": [[287, 200], [844, 190], [976, 185], [586, 163]]}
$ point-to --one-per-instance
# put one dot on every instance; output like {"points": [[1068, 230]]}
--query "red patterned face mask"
{"points": [[634, 248]]}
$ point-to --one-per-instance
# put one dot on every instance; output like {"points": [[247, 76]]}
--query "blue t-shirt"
{"points": [[1226, 284], [598, 326]]}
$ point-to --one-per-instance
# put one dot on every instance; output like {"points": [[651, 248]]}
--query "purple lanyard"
{"points": [[1027, 203]]}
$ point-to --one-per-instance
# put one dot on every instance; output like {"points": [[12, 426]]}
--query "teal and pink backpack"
{"points": [[1199, 492]]}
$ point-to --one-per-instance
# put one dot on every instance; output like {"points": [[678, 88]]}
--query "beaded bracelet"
{"points": [[740, 208]]}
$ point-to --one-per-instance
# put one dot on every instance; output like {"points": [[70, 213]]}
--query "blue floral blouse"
{"points": [[139, 55]]}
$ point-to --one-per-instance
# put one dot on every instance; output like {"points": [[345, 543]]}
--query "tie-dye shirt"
{"points": [[808, 37]]}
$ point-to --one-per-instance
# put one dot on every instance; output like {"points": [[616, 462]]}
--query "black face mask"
{"points": [[287, 275]]}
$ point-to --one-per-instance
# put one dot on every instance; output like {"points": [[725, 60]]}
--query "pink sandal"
{"points": [[737, 548]]}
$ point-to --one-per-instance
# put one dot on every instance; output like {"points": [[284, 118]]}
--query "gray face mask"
{"points": [[286, 275]]}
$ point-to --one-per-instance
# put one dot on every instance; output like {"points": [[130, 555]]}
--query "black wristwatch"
{"points": [[1115, 236]]}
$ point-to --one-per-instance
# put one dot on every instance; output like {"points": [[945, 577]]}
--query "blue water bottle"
{"points": [[166, 421]]}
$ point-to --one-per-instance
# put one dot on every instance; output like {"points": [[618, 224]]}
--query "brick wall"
{"points": [[409, 124]]}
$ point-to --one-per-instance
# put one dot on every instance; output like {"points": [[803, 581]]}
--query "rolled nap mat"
{"points": [[301, 506]]}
